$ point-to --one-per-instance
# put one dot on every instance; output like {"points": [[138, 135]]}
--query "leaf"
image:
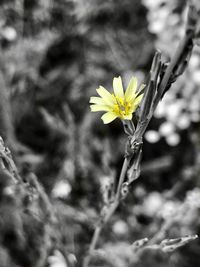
{"points": [[169, 245], [139, 243], [134, 171]]}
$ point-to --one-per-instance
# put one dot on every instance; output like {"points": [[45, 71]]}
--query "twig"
{"points": [[110, 212]]}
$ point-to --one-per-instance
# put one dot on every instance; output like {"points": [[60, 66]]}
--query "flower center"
{"points": [[122, 107]]}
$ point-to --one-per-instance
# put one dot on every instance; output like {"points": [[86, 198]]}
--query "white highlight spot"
{"points": [[152, 136]]}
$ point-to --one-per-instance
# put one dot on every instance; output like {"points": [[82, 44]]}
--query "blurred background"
{"points": [[54, 54]]}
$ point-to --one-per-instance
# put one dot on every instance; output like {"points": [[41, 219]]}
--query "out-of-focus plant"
{"points": [[162, 75], [180, 109]]}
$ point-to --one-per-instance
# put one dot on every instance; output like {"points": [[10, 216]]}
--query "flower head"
{"points": [[119, 104]]}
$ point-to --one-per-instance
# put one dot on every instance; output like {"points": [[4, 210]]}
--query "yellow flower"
{"points": [[120, 104]]}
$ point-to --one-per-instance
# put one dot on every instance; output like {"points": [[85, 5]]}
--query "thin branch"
{"points": [[113, 206]]}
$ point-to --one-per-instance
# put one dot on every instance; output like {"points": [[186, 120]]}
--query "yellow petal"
{"points": [[108, 117], [97, 100], [118, 87], [107, 97], [131, 89], [142, 86], [138, 99], [95, 108], [136, 102]]}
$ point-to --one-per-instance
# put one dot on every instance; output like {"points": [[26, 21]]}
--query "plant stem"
{"points": [[113, 206]]}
